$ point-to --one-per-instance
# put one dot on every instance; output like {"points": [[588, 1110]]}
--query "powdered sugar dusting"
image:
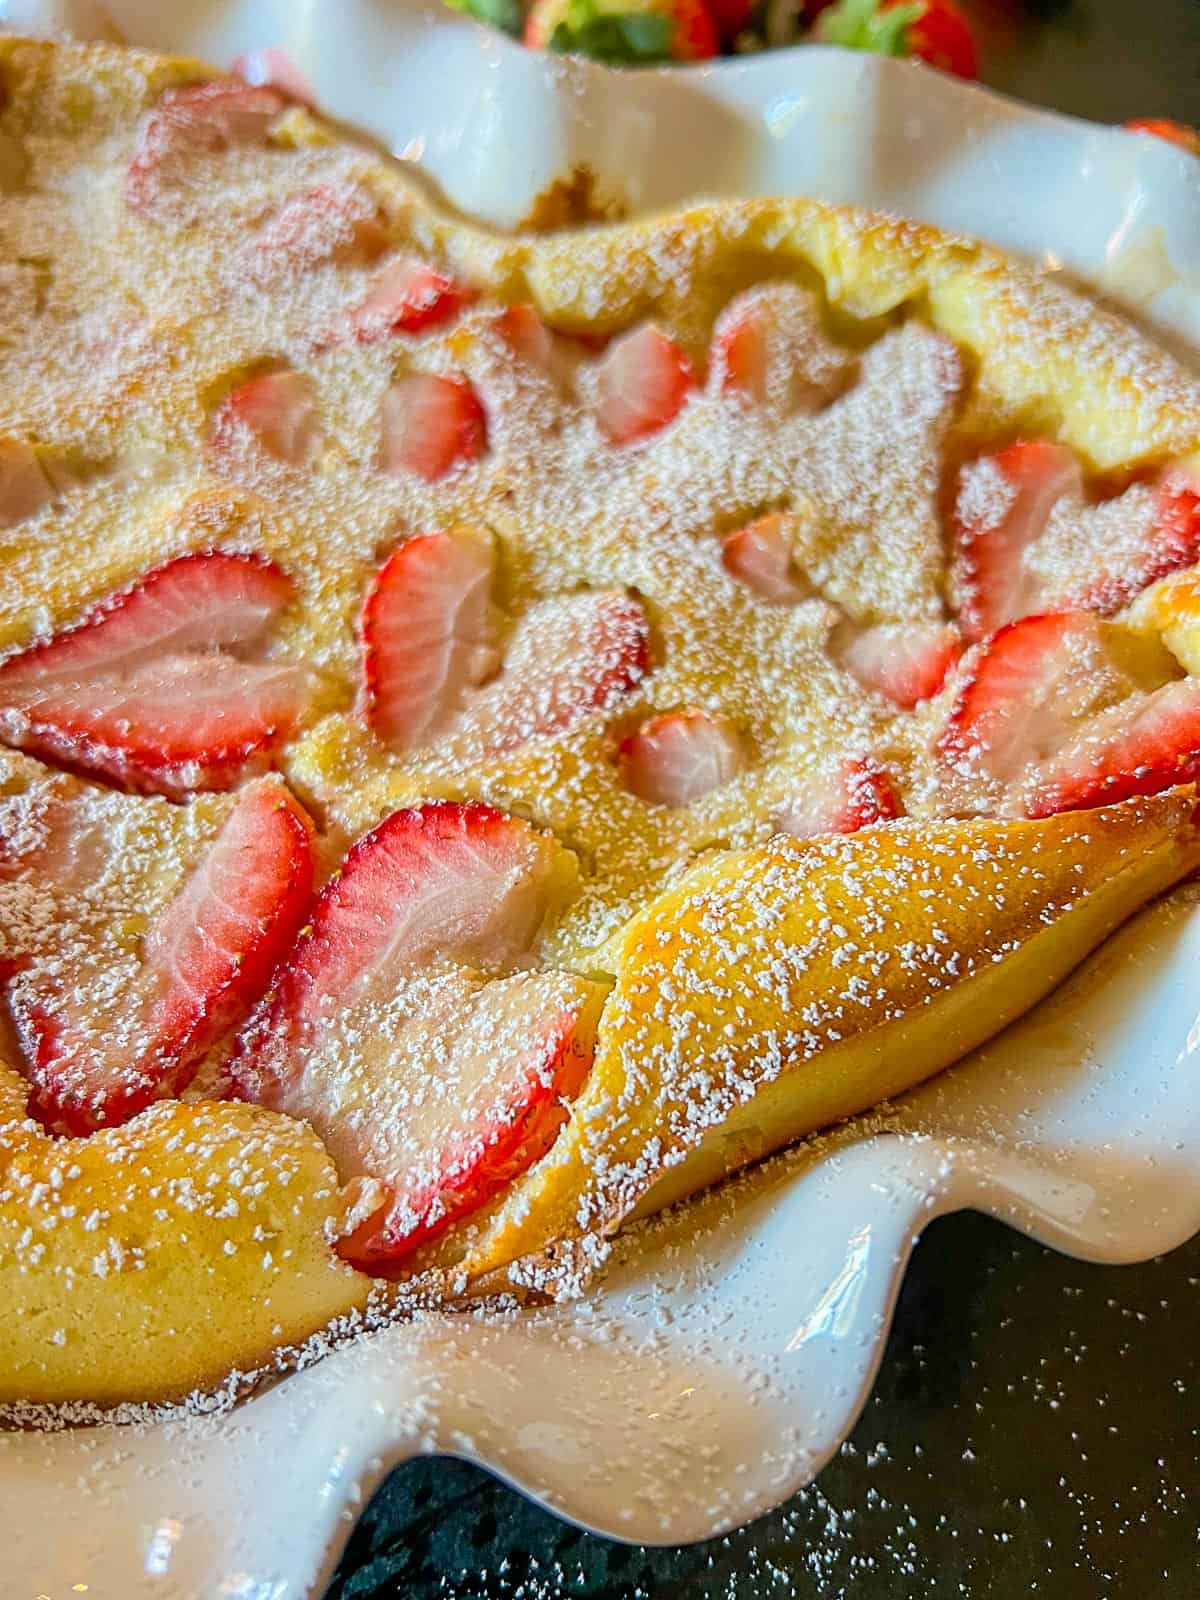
{"points": [[228, 269]]}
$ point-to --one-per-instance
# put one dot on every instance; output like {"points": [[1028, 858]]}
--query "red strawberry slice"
{"points": [[409, 297], [643, 383], [741, 353], [141, 690], [430, 639], [1003, 507], [1147, 743], [569, 658], [760, 556], [199, 119], [907, 662], [1179, 514], [168, 726], [857, 793], [431, 1085], [429, 634], [450, 880], [1019, 553], [206, 961], [432, 1101], [769, 346], [1133, 540], [1034, 681], [47, 834], [274, 413], [526, 335], [431, 425], [679, 756], [213, 950], [25, 488], [325, 224], [209, 599]]}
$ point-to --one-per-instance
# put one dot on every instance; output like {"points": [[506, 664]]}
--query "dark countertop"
{"points": [[1035, 1428], [1034, 1431]]}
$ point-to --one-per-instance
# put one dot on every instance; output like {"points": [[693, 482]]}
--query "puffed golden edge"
{"points": [[1047, 359]]}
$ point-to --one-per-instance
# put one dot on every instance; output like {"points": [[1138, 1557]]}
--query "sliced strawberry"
{"points": [[526, 335], [274, 413], [47, 835], [209, 599], [430, 639], [167, 726], [449, 880], [740, 354], [643, 383], [213, 950], [569, 657], [1003, 506], [409, 297], [906, 662], [857, 793], [1101, 556], [429, 634], [432, 1147], [431, 425], [142, 691], [1178, 522], [678, 756], [1175, 541], [207, 960], [769, 345], [433, 1099], [325, 224], [199, 119], [431, 1081], [1034, 681], [1147, 743], [1028, 541], [760, 556], [25, 488]]}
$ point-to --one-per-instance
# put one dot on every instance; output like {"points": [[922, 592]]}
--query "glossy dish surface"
{"points": [[730, 1228]]}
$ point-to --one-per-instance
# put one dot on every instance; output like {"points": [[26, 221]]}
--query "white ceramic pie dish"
{"points": [[696, 1387]]}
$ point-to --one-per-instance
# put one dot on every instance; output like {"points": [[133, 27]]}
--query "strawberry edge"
{"points": [[527, 1124], [111, 604], [172, 1063]]}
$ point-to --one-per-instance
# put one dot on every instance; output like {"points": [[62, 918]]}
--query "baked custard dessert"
{"points": [[498, 732]]}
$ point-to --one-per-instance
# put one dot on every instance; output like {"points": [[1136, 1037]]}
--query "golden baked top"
{"points": [[557, 563]]}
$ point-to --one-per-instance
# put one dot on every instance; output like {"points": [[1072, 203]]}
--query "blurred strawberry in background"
{"points": [[624, 32], [935, 31], [954, 36]]}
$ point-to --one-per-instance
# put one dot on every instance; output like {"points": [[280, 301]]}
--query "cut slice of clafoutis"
{"points": [[766, 995]]}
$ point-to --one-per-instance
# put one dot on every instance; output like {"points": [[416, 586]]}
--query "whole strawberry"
{"points": [[624, 32], [932, 30]]}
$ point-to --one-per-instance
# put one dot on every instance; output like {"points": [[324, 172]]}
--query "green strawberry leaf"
{"points": [[866, 25], [505, 14], [626, 39]]}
